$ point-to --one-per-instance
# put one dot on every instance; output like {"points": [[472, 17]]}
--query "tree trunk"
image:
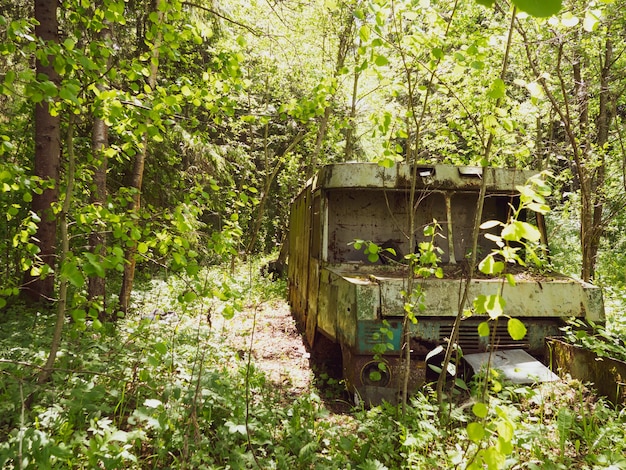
{"points": [[47, 158], [603, 123], [269, 179], [97, 240], [46, 371], [137, 178], [345, 41]]}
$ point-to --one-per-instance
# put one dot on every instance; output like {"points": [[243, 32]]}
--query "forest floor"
{"points": [[269, 332]]}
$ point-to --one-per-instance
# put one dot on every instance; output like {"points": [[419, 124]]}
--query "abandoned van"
{"points": [[342, 301]]}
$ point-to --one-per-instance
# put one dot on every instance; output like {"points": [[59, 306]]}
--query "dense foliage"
{"points": [[169, 389], [177, 134]]}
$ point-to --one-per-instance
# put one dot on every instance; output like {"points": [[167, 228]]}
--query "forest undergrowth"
{"points": [[216, 385]]}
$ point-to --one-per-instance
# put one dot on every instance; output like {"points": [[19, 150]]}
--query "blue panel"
{"points": [[374, 332]]}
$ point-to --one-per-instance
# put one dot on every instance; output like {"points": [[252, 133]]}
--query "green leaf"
{"points": [[437, 53], [228, 312], [490, 266], [518, 230], [480, 410], [160, 347], [492, 304], [516, 329], [504, 446], [93, 266], [375, 376], [494, 459], [483, 329], [487, 3], [505, 430], [364, 33], [537, 207], [497, 89], [539, 8], [511, 279], [381, 60], [190, 296], [592, 20], [475, 431], [71, 272], [460, 383]]}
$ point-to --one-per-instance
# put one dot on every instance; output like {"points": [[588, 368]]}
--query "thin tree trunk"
{"points": [[342, 51], [602, 126], [578, 152], [269, 179], [128, 277], [349, 149], [46, 371], [97, 240], [464, 295], [47, 158], [137, 177]]}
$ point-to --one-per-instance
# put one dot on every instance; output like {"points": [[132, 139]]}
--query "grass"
{"points": [[165, 389]]}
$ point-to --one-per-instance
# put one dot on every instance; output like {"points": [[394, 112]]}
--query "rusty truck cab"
{"points": [[339, 297]]}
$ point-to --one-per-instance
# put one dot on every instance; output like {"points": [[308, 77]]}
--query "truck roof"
{"points": [[437, 177]]}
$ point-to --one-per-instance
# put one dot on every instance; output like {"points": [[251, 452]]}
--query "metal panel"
{"points": [[312, 298], [370, 334], [548, 297], [372, 175], [516, 366], [607, 374]]}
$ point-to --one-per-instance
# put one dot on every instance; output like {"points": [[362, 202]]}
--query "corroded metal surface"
{"points": [[607, 374], [372, 175]]}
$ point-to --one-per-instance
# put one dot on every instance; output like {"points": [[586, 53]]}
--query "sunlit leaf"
{"points": [[569, 20], [490, 224], [152, 403], [475, 431], [537, 207], [497, 89], [480, 410], [483, 329], [510, 279], [505, 430], [516, 329], [490, 266], [364, 33], [518, 230], [539, 8], [493, 458], [592, 20], [381, 60], [492, 304]]}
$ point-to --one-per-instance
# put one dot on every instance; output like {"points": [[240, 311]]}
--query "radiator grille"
{"points": [[471, 342]]}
